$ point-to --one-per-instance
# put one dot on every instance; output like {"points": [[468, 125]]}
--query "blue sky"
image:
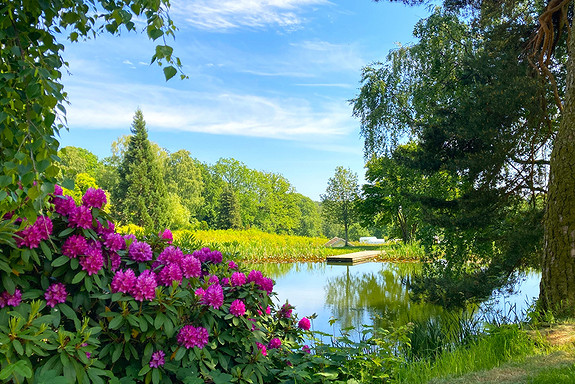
{"points": [[269, 83]]}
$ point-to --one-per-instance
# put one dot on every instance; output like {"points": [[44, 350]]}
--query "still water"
{"points": [[373, 294]]}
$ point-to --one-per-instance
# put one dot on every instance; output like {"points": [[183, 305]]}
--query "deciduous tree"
{"points": [[339, 198]]}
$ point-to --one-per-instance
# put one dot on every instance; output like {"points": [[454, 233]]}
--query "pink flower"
{"points": [[274, 343], [268, 310], [170, 273], [199, 292], [262, 349], [238, 279], [238, 308], [304, 324], [58, 191], [167, 235], [214, 296], [285, 311], [93, 261], [74, 246], [56, 293], [8, 299], [190, 336], [140, 251], [255, 276], [64, 205], [191, 267], [81, 217], [94, 198], [232, 265], [32, 235], [213, 280], [266, 284], [215, 257], [124, 281], [114, 242], [171, 254], [145, 287], [115, 260], [105, 230], [306, 349], [157, 359]]}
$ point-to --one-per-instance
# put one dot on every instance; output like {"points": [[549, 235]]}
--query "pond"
{"points": [[374, 294]]}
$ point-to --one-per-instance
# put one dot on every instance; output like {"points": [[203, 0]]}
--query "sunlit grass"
{"points": [[255, 246]]}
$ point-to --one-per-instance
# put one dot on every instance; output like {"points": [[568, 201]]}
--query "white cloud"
{"points": [[102, 106], [225, 15]]}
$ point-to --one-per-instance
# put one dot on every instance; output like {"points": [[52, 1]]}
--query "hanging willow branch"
{"points": [[552, 22]]}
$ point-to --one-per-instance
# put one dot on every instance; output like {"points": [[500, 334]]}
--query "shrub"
{"points": [[80, 302]]}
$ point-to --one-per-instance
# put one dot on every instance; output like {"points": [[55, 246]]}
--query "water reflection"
{"points": [[370, 293]]}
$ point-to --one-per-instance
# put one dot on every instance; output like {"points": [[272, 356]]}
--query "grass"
{"points": [[254, 246], [499, 346]]}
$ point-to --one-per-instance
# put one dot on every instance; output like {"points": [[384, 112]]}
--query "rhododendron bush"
{"points": [[82, 303]]}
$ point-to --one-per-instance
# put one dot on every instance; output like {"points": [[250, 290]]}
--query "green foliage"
{"points": [[32, 111], [229, 211], [564, 375], [98, 332], [184, 178], [141, 196], [339, 198], [482, 121], [75, 160]]}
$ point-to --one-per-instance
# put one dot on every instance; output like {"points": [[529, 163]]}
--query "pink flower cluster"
{"points": [[140, 251], [94, 198], [56, 293], [8, 299], [32, 235], [285, 311], [176, 266], [141, 288], [74, 246], [238, 308], [214, 296], [167, 235], [263, 283], [238, 279], [93, 260], [262, 349], [206, 254], [275, 343], [80, 217], [158, 359], [304, 324], [190, 336]]}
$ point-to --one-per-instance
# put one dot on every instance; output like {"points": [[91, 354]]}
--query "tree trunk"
{"points": [[558, 265]]}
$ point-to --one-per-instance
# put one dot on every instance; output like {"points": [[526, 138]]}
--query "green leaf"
{"points": [[116, 322], [169, 72], [155, 33], [66, 232], [60, 261], [46, 250], [79, 276], [22, 367], [18, 346], [145, 369]]}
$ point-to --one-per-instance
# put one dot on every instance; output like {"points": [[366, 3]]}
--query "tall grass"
{"points": [[488, 351], [255, 246]]}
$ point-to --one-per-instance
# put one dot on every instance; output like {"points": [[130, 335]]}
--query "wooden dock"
{"points": [[353, 258]]}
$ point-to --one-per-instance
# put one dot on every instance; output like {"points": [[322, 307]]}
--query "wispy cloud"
{"points": [[166, 109], [225, 15]]}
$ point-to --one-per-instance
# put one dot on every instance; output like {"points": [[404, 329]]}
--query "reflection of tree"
{"points": [[277, 270], [380, 295]]}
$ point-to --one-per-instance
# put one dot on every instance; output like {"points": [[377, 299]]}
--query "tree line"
{"points": [[153, 188]]}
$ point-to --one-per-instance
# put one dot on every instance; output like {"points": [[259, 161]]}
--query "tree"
{"points": [[229, 210], [32, 112], [339, 198], [75, 160], [310, 222], [483, 119], [184, 177], [141, 195]]}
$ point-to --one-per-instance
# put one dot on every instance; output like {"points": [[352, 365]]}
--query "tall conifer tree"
{"points": [[229, 213], [141, 195]]}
